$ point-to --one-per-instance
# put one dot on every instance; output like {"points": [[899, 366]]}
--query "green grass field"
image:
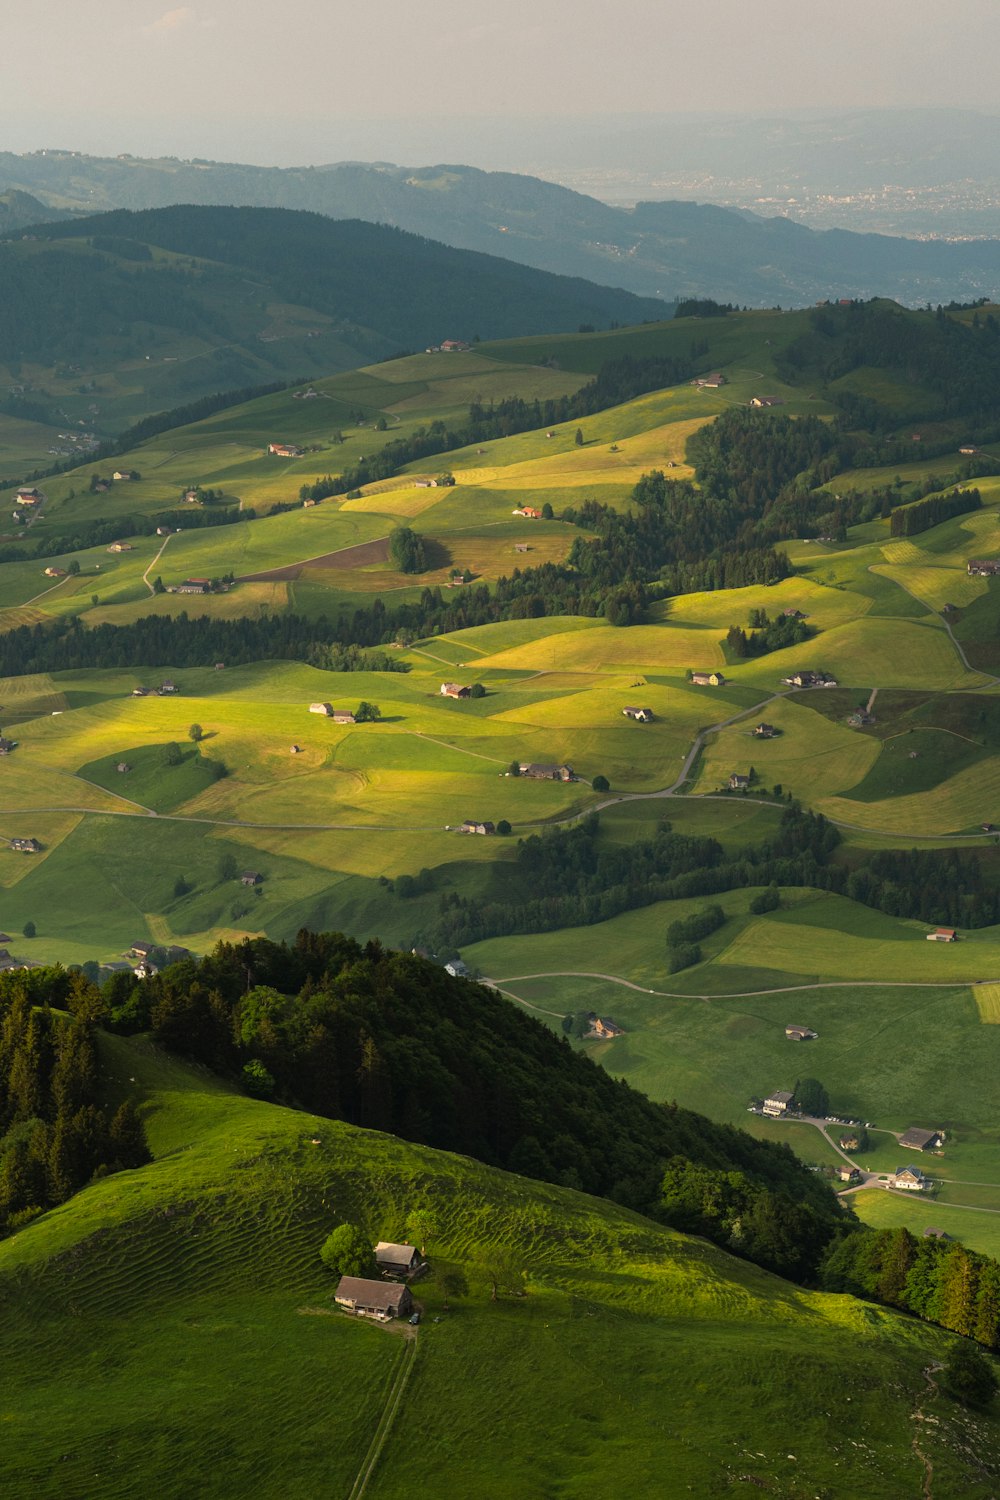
{"points": [[137, 1317]]}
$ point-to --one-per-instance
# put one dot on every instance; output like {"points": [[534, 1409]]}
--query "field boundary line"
{"points": [[418, 735]]}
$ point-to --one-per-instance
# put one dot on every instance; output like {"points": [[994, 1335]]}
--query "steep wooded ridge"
{"points": [[249, 281], [664, 249]]}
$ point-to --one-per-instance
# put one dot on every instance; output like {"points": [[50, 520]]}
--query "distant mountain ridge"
{"points": [[665, 249]]}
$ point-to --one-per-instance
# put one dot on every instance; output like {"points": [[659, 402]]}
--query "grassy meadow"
{"points": [[137, 1314]]}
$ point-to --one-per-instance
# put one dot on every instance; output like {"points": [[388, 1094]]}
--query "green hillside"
{"points": [[145, 1316], [109, 318]]}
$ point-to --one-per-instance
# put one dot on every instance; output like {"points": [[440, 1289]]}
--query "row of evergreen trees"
{"points": [[55, 1134]]}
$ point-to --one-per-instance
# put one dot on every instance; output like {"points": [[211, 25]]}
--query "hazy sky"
{"points": [[317, 80]]}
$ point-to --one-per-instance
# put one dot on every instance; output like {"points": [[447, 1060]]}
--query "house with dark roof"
{"points": [[909, 1179], [707, 679], [916, 1139], [738, 782], [373, 1299], [778, 1103], [764, 731], [801, 1033], [641, 715], [473, 825], [847, 1173], [397, 1260], [455, 690], [251, 877], [26, 846]]}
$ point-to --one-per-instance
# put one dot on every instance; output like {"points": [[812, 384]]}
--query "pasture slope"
{"points": [[173, 1329], [332, 827]]}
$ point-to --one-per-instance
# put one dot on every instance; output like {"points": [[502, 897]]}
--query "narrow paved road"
{"points": [[145, 576], [784, 989]]}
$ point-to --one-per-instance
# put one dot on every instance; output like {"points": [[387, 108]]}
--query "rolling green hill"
{"points": [[175, 1327], [106, 319]]}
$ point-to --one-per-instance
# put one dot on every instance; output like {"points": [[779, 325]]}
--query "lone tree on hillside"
{"points": [[347, 1251], [812, 1098], [29, 930], [196, 733], [578, 440], [172, 754], [969, 1376], [406, 549], [600, 784], [367, 713]]}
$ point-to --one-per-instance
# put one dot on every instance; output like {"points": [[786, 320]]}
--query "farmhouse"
{"points": [[344, 716], [849, 1143], [536, 772], [980, 568], [860, 718], [641, 715], [521, 547], [396, 1260], [943, 935], [120, 547], [604, 1028], [455, 690], [123, 768], [473, 825], [738, 783], [531, 511], [284, 450], [163, 530], [29, 496], [764, 731], [847, 1173], [55, 572], [457, 969], [140, 692], [166, 688], [322, 708], [251, 877], [6, 745], [910, 1179], [931, 1233], [801, 1033], [712, 381], [191, 497], [122, 475], [708, 679], [766, 401], [26, 846], [295, 750], [373, 1299], [778, 1103], [921, 1140], [968, 448], [192, 586], [810, 679], [141, 950]]}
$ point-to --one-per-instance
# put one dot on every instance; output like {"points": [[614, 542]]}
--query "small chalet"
{"points": [[308, 504], [968, 449], [943, 935], [163, 531], [344, 716], [603, 1028], [396, 1260], [810, 679], [295, 750], [472, 825], [910, 1179], [980, 568], [764, 731], [452, 346], [120, 547], [141, 950], [930, 1233], [847, 1173], [122, 475], [251, 877], [55, 572], [455, 690], [322, 708], [26, 846], [849, 1143], [738, 783], [710, 382], [6, 745], [860, 718], [778, 1103], [457, 969], [373, 1299], [641, 715], [921, 1140], [521, 547], [535, 772], [707, 679], [531, 511], [123, 768], [284, 450], [220, 666], [766, 401], [166, 688], [801, 1033]]}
